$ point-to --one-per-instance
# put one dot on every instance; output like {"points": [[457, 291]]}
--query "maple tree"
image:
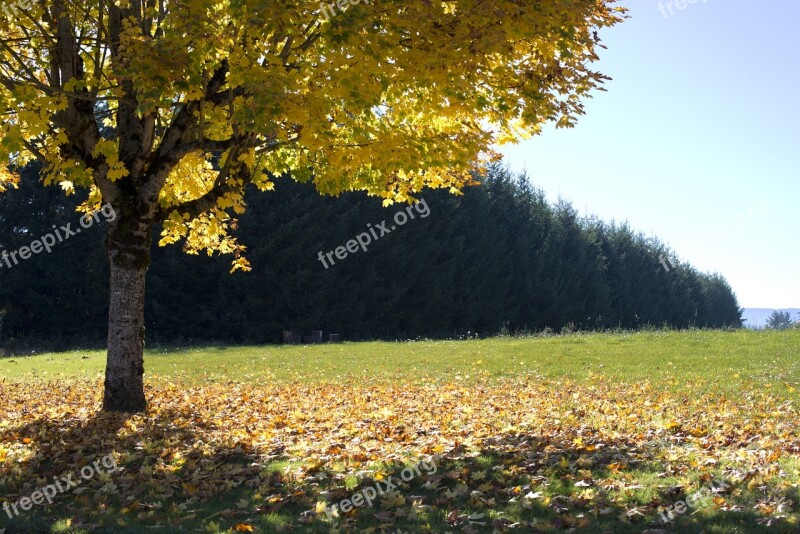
{"points": [[168, 110]]}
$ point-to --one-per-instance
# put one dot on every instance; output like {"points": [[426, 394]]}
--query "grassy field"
{"points": [[596, 432], [724, 359]]}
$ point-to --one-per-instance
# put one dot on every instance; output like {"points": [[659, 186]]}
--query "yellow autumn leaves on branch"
{"points": [[198, 99]]}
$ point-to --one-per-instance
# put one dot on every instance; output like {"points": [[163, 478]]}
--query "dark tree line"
{"points": [[498, 257]]}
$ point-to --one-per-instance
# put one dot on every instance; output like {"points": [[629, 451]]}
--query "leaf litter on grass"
{"points": [[526, 453]]}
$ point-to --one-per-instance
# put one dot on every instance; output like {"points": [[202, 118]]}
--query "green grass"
{"points": [[770, 358], [732, 364]]}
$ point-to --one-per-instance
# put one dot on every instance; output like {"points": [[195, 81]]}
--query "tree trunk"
{"points": [[128, 251]]}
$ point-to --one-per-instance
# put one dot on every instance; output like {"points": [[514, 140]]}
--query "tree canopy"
{"points": [[209, 96], [779, 320]]}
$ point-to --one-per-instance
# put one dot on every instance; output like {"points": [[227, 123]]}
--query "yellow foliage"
{"points": [[386, 97]]}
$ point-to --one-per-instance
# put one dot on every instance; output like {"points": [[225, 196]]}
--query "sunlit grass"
{"points": [[668, 359]]}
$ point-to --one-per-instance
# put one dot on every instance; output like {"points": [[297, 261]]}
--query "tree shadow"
{"points": [[156, 453], [170, 479]]}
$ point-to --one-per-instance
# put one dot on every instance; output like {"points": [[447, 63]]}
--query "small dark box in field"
{"points": [[317, 336]]}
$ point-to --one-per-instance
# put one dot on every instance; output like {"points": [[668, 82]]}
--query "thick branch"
{"points": [[135, 133], [174, 144], [78, 119]]}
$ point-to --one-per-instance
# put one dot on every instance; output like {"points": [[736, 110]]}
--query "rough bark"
{"points": [[128, 251]]}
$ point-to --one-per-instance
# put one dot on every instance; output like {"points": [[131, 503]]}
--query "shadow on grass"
{"points": [[170, 480]]}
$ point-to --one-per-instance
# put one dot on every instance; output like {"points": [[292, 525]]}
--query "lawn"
{"points": [[595, 432]]}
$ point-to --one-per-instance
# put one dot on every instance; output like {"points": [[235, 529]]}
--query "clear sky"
{"points": [[697, 140]]}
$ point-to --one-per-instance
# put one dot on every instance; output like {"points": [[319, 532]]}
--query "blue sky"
{"points": [[697, 140]]}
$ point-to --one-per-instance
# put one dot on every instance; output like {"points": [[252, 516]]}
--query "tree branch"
{"points": [[174, 144], [77, 120]]}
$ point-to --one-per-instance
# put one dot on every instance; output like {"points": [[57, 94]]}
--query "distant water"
{"points": [[757, 317]]}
